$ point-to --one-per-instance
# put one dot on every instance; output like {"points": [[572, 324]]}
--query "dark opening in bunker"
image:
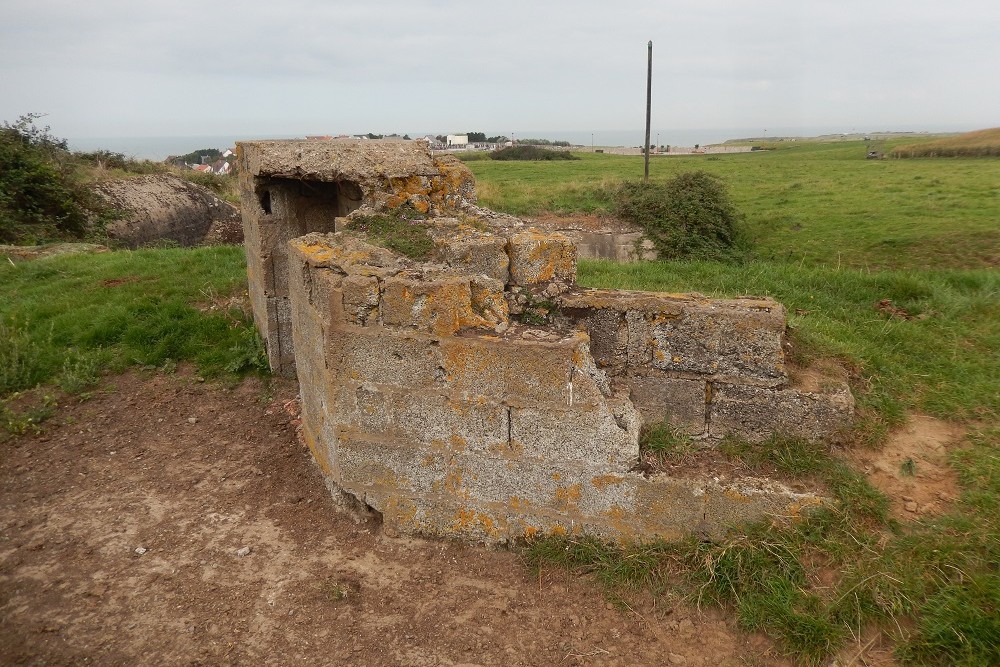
{"points": [[310, 206]]}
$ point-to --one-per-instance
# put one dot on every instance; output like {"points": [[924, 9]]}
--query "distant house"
{"points": [[458, 140]]}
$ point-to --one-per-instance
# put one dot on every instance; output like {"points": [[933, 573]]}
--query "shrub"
{"points": [[40, 195], [530, 153], [690, 216]]}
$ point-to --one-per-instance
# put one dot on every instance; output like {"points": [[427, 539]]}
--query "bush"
{"points": [[40, 195], [690, 216], [530, 153]]}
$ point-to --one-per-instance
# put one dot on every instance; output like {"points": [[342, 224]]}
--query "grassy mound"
{"points": [[981, 143]]}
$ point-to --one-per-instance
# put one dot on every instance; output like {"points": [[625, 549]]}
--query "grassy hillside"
{"points": [[68, 319], [811, 204], [981, 143]]}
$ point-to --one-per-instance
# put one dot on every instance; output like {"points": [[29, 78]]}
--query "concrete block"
{"points": [[441, 306], [489, 302], [577, 491], [425, 418], [377, 356], [377, 468], [679, 402], [755, 413], [585, 433], [521, 372], [665, 507], [734, 504], [608, 340], [470, 251], [536, 257], [361, 297], [722, 341]]}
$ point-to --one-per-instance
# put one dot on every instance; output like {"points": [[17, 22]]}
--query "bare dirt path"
{"points": [[122, 525]]}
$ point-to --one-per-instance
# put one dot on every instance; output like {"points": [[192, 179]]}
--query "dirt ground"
{"points": [[178, 522]]}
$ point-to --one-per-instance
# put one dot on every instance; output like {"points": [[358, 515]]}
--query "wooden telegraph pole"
{"points": [[649, 93]]}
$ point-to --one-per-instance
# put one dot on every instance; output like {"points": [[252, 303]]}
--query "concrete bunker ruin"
{"points": [[434, 392]]}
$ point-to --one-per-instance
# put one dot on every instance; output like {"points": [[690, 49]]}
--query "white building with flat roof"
{"points": [[458, 140]]}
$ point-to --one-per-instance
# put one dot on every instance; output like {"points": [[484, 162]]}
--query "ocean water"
{"points": [[159, 148]]}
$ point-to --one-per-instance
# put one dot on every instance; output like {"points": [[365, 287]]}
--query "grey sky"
{"points": [[190, 67]]}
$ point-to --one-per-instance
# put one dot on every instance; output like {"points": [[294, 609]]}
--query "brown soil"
{"points": [[121, 526], [912, 468]]}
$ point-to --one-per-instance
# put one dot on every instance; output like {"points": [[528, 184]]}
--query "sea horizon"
{"points": [[162, 147]]}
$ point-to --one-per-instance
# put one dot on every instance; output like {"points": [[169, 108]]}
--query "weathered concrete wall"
{"points": [[291, 188], [424, 398], [482, 393]]}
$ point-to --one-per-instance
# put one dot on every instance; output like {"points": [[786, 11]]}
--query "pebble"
{"points": [[140, 550], [910, 506], [245, 551], [676, 659], [192, 420]]}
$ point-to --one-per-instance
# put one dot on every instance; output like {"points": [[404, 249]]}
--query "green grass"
{"points": [[814, 204], [933, 585], [823, 221], [68, 319], [942, 574]]}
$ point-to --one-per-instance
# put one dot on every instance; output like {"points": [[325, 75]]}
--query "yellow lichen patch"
{"points": [[453, 483], [530, 531], [602, 481], [622, 523], [568, 495], [316, 252], [514, 449], [458, 443], [318, 452], [401, 512], [736, 496], [556, 476]]}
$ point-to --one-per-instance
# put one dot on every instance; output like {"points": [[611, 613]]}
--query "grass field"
{"points": [[68, 319], [815, 204], [833, 235]]}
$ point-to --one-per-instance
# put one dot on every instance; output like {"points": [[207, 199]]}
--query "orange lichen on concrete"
{"points": [[601, 481]]}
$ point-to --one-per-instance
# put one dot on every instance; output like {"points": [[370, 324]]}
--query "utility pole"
{"points": [[649, 94]]}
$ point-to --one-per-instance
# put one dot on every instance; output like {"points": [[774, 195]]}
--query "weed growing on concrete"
{"points": [[403, 231], [801, 458], [664, 441]]}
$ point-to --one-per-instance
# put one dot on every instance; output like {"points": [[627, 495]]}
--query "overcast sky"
{"points": [[199, 67]]}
